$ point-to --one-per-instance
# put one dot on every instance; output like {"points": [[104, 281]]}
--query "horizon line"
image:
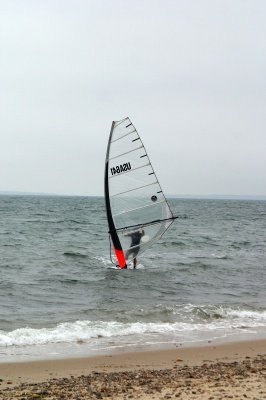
{"points": [[177, 196]]}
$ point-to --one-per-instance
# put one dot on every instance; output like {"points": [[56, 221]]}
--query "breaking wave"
{"points": [[203, 319]]}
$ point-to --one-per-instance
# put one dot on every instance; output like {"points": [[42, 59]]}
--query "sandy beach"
{"points": [[231, 370]]}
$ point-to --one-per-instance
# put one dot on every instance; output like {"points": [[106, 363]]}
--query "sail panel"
{"points": [[140, 212]]}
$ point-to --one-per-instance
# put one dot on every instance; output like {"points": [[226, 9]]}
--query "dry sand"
{"points": [[227, 371]]}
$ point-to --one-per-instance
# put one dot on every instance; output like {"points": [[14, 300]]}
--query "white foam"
{"points": [[93, 331], [79, 331], [248, 316]]}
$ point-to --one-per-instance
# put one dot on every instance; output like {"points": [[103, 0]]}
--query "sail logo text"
{"points": [[120, 168]]}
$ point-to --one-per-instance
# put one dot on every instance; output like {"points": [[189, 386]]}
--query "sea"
{"points": [[203, 282]]}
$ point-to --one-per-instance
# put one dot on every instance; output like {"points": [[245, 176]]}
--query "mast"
{"points": [[112, 231]]}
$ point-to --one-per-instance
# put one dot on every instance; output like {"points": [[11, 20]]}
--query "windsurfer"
{"points": [[134, 246]]}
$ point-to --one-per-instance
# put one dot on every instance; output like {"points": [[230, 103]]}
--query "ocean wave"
{"points": [[175, 243], [74, 254], [240, 244], [220, 315], [212, 320]]}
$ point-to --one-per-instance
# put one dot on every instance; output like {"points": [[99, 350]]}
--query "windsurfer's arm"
{"points": [[128, 234]]}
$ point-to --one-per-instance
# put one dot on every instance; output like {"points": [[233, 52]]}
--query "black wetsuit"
{"points": [[135, 241], [135, 238]]}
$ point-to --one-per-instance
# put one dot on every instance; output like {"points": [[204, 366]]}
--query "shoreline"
{"points": [[157, 364], [80, 349]]}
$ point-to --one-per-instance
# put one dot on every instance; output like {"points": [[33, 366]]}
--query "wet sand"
{"points": [[231, 370]]}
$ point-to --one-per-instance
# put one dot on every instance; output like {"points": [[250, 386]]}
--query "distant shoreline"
{"points": [[216, 197], [168, 196]]}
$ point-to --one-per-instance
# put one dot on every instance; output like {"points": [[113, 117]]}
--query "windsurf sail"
{"points": [[137, 211]]}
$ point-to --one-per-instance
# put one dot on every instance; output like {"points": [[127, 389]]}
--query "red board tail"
{"points": [[120, 258]]}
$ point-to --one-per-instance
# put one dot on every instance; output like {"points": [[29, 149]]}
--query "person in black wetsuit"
{"points": [[135, 241]]}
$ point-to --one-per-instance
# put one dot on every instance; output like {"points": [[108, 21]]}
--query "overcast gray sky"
{"points": [[190, 74]]}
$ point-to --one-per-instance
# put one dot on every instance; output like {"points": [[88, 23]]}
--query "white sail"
{"points": [[137, 203]]}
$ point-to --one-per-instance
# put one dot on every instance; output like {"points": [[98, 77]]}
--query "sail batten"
{"points": [[137, 188], [117, 123], [137, 211], [126, 134], [127, 152], [157, 221], [138, 208]]}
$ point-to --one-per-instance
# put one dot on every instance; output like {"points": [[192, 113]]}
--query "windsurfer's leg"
{"points": [[130, 254], [135, 257]]}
